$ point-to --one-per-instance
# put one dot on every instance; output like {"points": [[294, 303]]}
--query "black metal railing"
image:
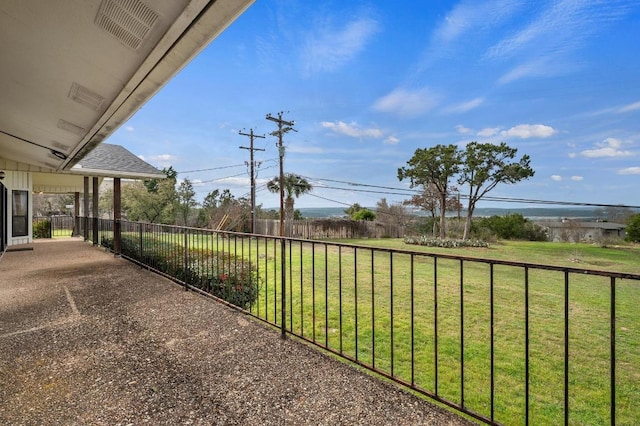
{"points": [[53, 226], [504, 342]]}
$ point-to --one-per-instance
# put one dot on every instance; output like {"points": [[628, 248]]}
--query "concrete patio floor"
{"points": [[89, 339]]}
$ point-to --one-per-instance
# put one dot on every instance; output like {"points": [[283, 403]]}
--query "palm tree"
{"points": [[294, 187]]}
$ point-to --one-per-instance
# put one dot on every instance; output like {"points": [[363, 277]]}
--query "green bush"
{"points": [[228, 277], [512, 226], [633, 229], [42, 229]]}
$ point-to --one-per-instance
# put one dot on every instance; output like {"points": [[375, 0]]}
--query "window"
{"points": [[20, 214]]}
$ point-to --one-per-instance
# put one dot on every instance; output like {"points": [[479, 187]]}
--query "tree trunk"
{"points": [[443, 212], [288, 215], [467, 224]]}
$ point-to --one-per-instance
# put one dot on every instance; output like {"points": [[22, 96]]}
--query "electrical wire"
{"points": [[391, 191], [213, 168]]}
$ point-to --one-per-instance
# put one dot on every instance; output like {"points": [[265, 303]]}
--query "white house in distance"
{"points": [[72, 72]]}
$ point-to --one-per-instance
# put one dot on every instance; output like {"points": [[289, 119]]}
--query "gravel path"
{"points": [[89, 339]]}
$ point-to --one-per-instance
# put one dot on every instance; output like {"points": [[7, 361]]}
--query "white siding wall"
{"points": [[18, 181]]}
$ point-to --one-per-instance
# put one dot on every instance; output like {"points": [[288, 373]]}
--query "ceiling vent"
{"points": [[86, 97], [130, 21], [70, 127]]}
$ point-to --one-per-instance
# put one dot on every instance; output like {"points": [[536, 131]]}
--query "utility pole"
{"points": [[283, 127], [251, 149]]}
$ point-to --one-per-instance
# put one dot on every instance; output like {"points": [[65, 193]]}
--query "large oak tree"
{"points": [[434, 166]]}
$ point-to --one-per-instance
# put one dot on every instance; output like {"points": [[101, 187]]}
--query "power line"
{"points": [[213, 168], [388, 191], [328, 199]]}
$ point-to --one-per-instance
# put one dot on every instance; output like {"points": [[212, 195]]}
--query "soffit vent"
{"points": [[86, 97], [60, 146], [130, 21], [70, 127]]}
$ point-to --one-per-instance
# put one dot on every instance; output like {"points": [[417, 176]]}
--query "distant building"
{"points": [[576, 231]]}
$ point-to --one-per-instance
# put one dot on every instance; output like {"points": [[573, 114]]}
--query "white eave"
{"points": [[67, 83]]}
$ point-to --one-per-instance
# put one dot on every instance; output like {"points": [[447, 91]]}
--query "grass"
{"points": [[379, 307]]}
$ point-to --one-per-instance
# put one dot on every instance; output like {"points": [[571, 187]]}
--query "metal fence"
{"points": [[503, 342], [53, 226]]}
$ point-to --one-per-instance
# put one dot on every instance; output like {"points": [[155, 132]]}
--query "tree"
{"points": [[294, 186], [186, 197], [352, 210], [615, 214], [364, 214], [429, 200], [222, 209], [151, 201], [394, 214], [105, 203], [433, 166], [633, 228], [484, 166]]}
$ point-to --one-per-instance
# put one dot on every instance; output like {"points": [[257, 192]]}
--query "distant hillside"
{"points": [[533, 213]]}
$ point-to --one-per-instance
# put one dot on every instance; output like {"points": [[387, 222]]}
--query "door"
{"points": [[3, 217]]}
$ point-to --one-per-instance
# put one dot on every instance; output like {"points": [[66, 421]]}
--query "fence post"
{"points": [[283, 289], [186, 259], [141, 249]]}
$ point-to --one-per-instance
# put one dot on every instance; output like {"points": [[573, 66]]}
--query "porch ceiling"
{"points": [[73, 71]]}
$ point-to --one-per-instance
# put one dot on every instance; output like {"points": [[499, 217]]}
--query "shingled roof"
{"points": [[115, 161]]}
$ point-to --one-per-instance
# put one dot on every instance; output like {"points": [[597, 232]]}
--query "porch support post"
{"points": [[94, 211], [117, 206], [76, 213], [85, 210]]}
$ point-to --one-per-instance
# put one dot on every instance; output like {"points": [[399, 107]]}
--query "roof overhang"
{"points": [[72, 72]]}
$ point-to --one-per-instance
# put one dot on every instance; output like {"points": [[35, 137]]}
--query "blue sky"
{"points": [[369, 82]]}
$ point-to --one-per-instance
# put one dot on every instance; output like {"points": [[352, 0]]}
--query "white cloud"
{"points": [[572, 155], [407, 103], [129, 128], [469, 16], [488, 132], [629, 171], [533, 68], [631, 107], [328, 49], [305, 149], [391, 140], [352, 129], [610, 147], [577, 178], [463, 130], [465, 106], [526, 131], [557, 178], [236, 181], [554, 35], [163, 160]]}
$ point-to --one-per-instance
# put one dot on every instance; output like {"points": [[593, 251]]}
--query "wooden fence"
{"points": [[330, 228]]}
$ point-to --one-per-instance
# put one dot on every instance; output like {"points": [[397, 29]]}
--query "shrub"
{"points": [[510, 227], [228, 277], [42, 229], [446, 243], [633, 228]]}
